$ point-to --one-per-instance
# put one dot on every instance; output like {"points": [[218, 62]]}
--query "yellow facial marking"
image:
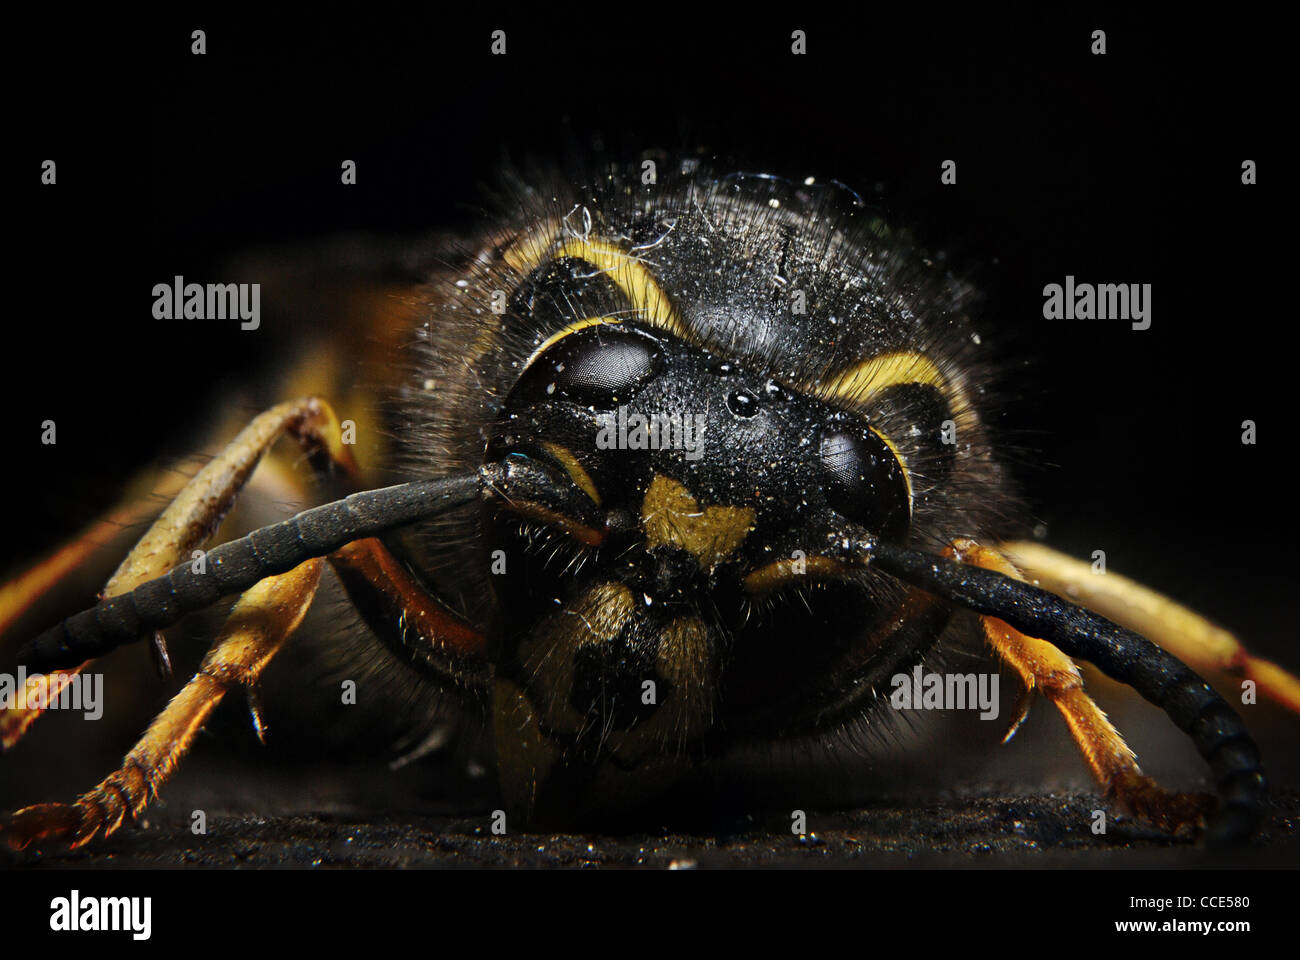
{"points": [[591, 536], [788, 571], [627, 271], [684, 656], [860, 382], [598, 617], [686, 660], [672, 517], [527, 251], [547, 654], [902, 464], [574, 327], [630, 275], [575, 470], [685, 711]]}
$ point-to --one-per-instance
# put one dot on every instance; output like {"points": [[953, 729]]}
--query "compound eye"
{"points": [[600, 366], [865, 482]]}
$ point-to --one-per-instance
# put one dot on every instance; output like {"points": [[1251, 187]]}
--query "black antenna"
{"points": [[239, 564], [1157, 675]]}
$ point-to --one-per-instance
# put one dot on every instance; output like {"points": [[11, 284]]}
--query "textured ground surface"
{"points": [[1037, 831], [950, 796]]}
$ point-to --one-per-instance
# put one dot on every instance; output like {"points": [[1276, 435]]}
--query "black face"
{"points": [[723, 494], [632, 406]]}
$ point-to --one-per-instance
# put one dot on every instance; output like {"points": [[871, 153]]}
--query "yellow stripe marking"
{"points": [[633, 278], [574, 327], [627, 272], [529, 249], [862, 381], [672, 517], [786, 571], [577, 473], [902, 465]]}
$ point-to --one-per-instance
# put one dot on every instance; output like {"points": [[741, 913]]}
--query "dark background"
{"points": [[1124, 168]]}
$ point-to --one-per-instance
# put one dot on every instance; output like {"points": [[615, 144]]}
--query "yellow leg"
{"points": [[1044, 668], [193, 517], [19, 594], [261, 621], [1202, 645]]}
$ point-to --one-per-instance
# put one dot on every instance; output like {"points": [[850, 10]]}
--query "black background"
{"points": [[1122, 168]]}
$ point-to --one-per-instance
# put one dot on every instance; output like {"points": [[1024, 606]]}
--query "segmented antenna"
{"points": [[1157, 675], [239, 564]]}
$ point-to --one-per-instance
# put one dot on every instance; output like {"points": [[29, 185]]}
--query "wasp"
{"points": [[672, 465]]}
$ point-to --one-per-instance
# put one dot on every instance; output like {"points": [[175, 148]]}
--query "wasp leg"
{"points": [[192, 517], [20, 593], [87, 548], [1196, 641], [408, 618], [1043, 667], [258, 626], [148, 494]]}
